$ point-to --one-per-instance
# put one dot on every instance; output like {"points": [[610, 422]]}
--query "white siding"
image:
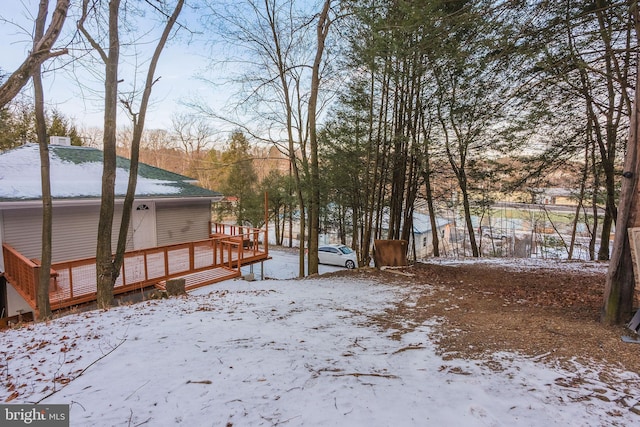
{"points": [[75, 228], [15, 302], [22, 229], [178, 223], [74, 231]]}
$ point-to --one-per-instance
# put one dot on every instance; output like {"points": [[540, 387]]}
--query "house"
{"points": [[171, 218], [421, 240], [423, 236], [555, 196]]}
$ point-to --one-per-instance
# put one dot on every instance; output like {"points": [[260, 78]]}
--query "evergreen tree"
{"points": [[59, 125], [18, 125], [241, 181], [278, 187]]}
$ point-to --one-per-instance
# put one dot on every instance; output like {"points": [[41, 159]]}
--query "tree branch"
{"points": [[88, 36], [41, 52], [84, 370]]}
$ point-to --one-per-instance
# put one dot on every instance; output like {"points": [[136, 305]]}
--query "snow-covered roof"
{"points": [[421, 222], [76, 173]]}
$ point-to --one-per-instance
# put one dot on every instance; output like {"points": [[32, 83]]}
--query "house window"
{"points": [[142, 208]]}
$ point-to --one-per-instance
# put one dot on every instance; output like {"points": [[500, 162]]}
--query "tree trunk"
{"points": [[372, 181], [105, 273], [108, 264], [467, 217], [322, 30], [138, 129], [42, 300], [619, 289], [579, 207], [283, 76], [605, 235], [290, 216], [426, 174], [594, 204], [276, 224]]}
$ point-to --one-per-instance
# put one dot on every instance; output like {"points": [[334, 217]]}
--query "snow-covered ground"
{"points": [[283, 265], [287, 352]]}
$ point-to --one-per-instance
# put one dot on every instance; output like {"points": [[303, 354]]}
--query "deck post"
{"points": [[146, 266], [165, 253], [36, 279], [192, 256], [266, 222], [122, 271]]}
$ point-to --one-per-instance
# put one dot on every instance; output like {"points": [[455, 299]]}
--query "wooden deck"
{"points": [[208, 277], [200, 263]]}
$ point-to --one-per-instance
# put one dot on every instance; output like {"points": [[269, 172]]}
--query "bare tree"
{"points": [[31, 68], [42, 50], [322, 31], [192, 132], [276, 82], [42, 294], [108, 264], [91, 137], [193, 135]]}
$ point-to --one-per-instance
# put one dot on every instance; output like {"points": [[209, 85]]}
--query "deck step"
{"points": [[208, 277]]}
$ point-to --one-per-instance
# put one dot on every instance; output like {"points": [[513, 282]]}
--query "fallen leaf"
{"points": [[12, 396]]}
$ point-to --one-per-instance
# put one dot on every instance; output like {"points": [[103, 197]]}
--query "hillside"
{"points": [[448, 343]]}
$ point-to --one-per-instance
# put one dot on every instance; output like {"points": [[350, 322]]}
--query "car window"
{"points": [[345, 250]]}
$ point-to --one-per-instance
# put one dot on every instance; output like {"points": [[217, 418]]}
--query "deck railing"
{"points": [[20, 271], [253, 239], [145, 267], [75, 281]]}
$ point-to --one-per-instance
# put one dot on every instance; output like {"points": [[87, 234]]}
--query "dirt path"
{"points": [[551, 313]]}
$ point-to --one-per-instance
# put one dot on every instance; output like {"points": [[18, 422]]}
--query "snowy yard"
{"points": [[287, 352]]}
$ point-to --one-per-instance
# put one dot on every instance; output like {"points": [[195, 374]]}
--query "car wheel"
{"points": [[350, 264]]}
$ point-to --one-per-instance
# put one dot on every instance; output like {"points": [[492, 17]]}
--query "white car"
{"points": [[340, 255]]}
